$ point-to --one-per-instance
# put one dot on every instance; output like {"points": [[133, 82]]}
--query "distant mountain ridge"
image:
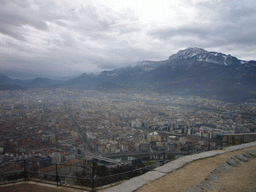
{"points": [[11, 84], [193, 71]]}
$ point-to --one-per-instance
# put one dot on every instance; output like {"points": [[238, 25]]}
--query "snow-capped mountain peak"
{"points": [[188, 53], [200, 54], [188, 56]]}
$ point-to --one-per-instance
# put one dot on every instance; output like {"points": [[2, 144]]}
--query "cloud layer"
{"points": [[62, 38]]}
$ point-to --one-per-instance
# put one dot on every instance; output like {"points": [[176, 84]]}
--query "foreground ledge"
{"points": [[137, 182]]}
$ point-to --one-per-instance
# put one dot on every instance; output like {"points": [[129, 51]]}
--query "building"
{"points": [[136, 124], [67, 168], [49, 138], [56, 158], [144, 147], [125, 148], [154, 136]]}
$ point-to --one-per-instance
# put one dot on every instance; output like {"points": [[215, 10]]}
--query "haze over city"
{"points": [[120, 95], [66, 38]]}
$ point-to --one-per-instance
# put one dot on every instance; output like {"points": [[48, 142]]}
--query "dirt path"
{"points": [[191, 174]]}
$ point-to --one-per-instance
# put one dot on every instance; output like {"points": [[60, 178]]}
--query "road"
{"points": [[147, 153], [82, 134]]}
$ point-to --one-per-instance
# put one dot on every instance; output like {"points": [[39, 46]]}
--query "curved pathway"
{"points": [[194, 172]]}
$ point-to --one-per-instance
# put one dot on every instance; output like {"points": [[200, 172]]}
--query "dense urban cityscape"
{"points": [[70, 125]]}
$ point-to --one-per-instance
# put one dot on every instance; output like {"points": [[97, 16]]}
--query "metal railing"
{"points": [[91, 180], [91, 176]]}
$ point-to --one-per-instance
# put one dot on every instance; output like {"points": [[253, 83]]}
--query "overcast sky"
{"points": [[64, 38]]}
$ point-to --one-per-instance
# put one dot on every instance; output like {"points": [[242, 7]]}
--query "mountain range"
{"points": [[193, 71]]}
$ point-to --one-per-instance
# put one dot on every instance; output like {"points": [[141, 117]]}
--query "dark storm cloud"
{"points": [[231, 24], [170, 32], [129, 57], [60, 37], [239, 14], [14, 15], [86, 34], [17, 19]]}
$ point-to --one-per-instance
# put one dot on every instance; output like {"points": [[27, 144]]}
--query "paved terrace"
{"points": [[231, 169], [31, 186]]}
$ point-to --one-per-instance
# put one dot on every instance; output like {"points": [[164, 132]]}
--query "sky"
{"points": [[64, 38]]}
